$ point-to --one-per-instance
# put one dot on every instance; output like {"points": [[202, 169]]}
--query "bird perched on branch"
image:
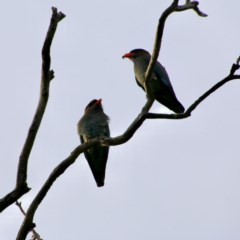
{"points": [[160, 86], [94, 123]]}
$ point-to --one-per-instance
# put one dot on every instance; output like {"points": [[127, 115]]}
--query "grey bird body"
{"points": [[160, 86], [94, 123]]}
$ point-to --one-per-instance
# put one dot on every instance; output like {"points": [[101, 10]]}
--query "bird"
{"points": [[95, 123], [160, 86]]}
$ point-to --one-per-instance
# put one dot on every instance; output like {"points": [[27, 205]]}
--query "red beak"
{"points": [[99, 101], [128, 55]]}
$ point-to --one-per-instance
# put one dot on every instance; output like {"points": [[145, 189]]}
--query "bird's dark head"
{"points": [[136, 53], [94, 105]]}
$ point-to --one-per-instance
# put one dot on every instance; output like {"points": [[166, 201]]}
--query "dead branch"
{"points": [[47, 75]]}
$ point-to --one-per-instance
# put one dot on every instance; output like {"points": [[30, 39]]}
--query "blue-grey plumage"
{"points": [[160, 86], [94, 123]]}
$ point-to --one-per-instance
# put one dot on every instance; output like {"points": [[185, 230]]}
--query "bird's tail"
{"points": [[171, 102], [97, 162]]}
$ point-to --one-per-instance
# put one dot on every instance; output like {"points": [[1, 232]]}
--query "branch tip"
{"points": [[191, 5], [58, 15], [238, 60], [200, 13], [235, 67], [54, 10]]}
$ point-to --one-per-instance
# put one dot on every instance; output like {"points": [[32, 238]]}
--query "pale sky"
{"points": [[174, 180]]}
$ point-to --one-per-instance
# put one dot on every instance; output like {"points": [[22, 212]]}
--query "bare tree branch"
{"points": [[157, 45], [27, 224], [35, 235], [47, 75]]}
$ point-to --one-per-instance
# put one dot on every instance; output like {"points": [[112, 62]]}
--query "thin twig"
{"points": [[35, 235], [157, 45]]}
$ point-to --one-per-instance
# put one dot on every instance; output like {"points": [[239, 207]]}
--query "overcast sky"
{"points": [[174, 180]]}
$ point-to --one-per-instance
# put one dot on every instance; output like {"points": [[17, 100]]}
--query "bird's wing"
{"points": [[161, 73], [163, 90]]}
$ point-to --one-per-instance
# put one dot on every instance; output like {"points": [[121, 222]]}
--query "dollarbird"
{"points": [[160, 86], [94, 123]]}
